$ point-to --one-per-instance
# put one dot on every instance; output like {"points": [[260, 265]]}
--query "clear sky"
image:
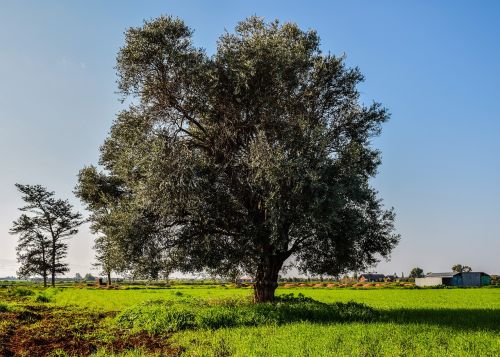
{"points": [[434, 65]]}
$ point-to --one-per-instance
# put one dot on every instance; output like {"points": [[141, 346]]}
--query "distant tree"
{"points": [[33, 249], [89, 277], [257, 154], [459, 268], [78, 277], [416, 273], [49, 223], [109, 257], [229, 273]]}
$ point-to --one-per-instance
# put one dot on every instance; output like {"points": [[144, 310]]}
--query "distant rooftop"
{"points": [[441, 275], [451, 274]]}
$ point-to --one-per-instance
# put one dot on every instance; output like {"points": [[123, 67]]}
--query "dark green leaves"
{"points": [[241, 160]]}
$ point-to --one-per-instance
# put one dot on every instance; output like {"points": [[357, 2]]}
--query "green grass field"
{"points": [[220, 321]]}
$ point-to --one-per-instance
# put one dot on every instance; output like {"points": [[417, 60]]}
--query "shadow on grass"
{"points": [[171, 316], [463, 319]]}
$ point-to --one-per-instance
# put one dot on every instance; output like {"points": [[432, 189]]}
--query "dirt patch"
{"points": [[40, 330]]}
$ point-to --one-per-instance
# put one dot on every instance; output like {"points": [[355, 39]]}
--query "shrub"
{"points": [[4, 307], [42, 298], [21, 292], [164, 316], [158, 316], [215, 318]]}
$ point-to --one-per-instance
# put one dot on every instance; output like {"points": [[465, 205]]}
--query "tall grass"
{"points": [[339, 339], [172, 316]]}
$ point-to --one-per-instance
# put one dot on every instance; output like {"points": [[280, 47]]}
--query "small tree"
{"points": [[459, 268], [109, 257], [43, 232], [89, 277], [416, 273]]}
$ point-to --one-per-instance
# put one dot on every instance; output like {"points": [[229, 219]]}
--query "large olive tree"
{"points": [[241, 160]]}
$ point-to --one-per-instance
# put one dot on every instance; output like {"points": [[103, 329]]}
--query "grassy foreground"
{"points": [[221, 321]]}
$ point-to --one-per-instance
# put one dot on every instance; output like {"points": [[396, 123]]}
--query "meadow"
{"points": [[222, 321]]}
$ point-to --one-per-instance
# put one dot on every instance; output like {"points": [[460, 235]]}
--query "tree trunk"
{"points": [[266, 279], [53, 268], [109, 278], [44, 262]]}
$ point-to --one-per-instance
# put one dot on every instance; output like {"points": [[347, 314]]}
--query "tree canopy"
{"points": [[417, 272], [241, 160], [459, 268]]}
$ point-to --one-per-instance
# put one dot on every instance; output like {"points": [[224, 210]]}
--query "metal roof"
{"points": [[441, 275], [372, 275], [452, 274]]}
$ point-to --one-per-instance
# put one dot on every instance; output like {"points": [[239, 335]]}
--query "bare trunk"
{"points": [[266, 279], [44, 262], [53, 268], [109, 278]]}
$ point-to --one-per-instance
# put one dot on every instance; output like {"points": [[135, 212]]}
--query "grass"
{"points": [[220, 321], [117, 300], [347, 339], [172, 316]]}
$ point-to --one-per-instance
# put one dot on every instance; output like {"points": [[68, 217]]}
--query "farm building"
{"points": [[455, 279], [246, 280], [372, 277]]}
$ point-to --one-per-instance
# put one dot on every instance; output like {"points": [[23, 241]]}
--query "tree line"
{"points": [[418, 272]]}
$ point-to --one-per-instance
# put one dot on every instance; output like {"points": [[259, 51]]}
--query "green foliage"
{"points": [[416, 272], [42, 298], [353, 339], [4, 307], [161, 316], [20, 292], [158, 316], [459, 268]]}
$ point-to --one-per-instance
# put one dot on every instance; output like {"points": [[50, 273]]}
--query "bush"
{"points": [[164, 317], [21, 292], [42, 298], [215, 318], [4, 307], [158, 316]]}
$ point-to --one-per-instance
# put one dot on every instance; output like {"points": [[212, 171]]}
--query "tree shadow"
{"points": [[462, 319]]}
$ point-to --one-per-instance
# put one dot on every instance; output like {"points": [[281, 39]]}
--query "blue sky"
{"points": [[434, 65]]}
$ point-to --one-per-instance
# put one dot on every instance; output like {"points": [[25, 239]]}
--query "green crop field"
{"points": [[221, 321]]}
